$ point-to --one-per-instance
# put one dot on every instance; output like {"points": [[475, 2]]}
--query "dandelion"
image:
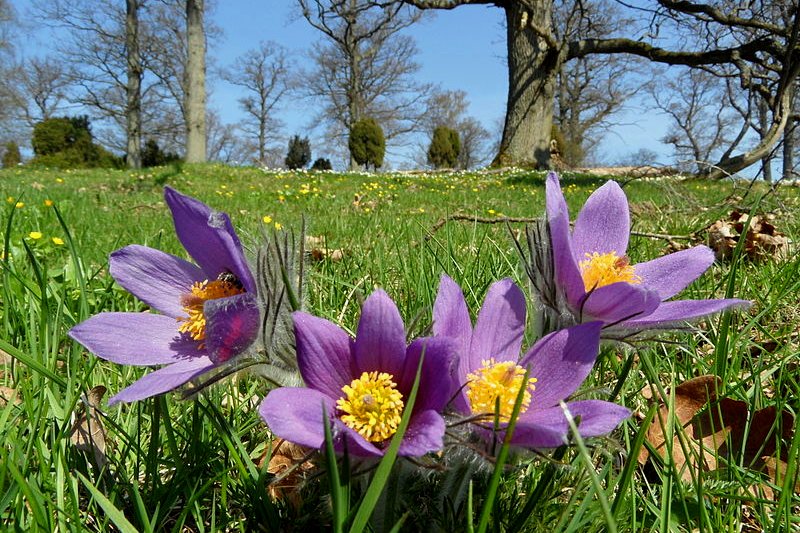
{"points": [[35, 235], [363, 384], [59, 180], [490, 374], [593, 272], [19, 205], [48, 203], [266, 219], [208, 311], [11, 200], [58, 241]]}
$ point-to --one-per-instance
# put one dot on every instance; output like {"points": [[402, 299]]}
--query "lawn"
{"points": [[201, 464]]}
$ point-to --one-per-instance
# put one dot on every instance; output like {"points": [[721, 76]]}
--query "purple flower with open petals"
{"points": [[596, 279], [362, 384], [208, 311], [490, 372]]}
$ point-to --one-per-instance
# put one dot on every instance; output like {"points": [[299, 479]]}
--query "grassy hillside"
{"points": [[195, 464]]}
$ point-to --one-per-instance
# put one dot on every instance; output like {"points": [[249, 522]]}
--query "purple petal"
{"points": [[434, 380], [548, 428], [560, 362], [425, 434], [156, 278], [568, 274], [295, 414], [535, 433], [619, 301], [323, 354], [139, 339], [451, 316], [604, 223], [500, 325], [597, 417], [670, 314], [380, 343], [209, 238], [357, 445], [670, 274], [163, 380], [231, 325]]}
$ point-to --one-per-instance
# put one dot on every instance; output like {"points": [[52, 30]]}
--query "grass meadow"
{"points": [[201, 464]]}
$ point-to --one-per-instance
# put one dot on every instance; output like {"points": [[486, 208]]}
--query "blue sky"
{"points": [[459, 49]]}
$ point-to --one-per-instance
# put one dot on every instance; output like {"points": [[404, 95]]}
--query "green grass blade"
{"points": [[385, 466], [611, 524], [337, 498], [494, 483]]}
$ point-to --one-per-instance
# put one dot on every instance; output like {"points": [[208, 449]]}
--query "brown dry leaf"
{"points": [[332, 254], [313, 241], [706, 427], [762, 239], [7, 394], [289, 463], [88, 433]]}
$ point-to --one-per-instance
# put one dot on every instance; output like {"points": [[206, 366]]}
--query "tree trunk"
{"points": [[133, 111], [195, 83], [789, 141], [763, 124], [532, 70]]}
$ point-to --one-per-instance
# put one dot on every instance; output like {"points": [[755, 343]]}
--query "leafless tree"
{"points": [[104, 49], [224, 143], [42, 89], [264, 73], [364, 66], [449, 108], [741, 33], [701, 121]]}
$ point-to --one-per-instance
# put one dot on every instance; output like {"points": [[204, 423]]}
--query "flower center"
{"points": [[195, 323], [498, 382], [599, 270], [373, 406]]}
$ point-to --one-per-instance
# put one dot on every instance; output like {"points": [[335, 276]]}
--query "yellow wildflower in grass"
{"points": [[492, 212], [59, 180], [35, 235], [267, 219], [19, 205], [58, 241], [278, 226], [11, 199], [48, 203]]}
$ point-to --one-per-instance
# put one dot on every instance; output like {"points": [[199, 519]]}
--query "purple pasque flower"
{"points": [[363, 384], [490, 371], [596, 279], [208, 311]]}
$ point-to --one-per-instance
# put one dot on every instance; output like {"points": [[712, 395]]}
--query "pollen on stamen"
{"points": [[599, 270], [498, 383], [372, 406], [194, 324]]}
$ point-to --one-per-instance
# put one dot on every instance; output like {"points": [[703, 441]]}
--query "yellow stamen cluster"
{"points": [[195, 323], [599, 270], [373, 406], [498, 381]]}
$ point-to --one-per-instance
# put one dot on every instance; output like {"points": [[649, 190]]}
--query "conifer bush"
{"points": [[445, 147], [299, 153], [367, 143], [11, 155], [322, 163]]}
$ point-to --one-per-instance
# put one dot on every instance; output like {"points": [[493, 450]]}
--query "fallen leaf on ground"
{"points": [[87, 433], [709, 431], [289, 463]]}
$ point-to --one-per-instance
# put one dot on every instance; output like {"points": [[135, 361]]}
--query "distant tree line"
{"points": [[723, 72]]}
